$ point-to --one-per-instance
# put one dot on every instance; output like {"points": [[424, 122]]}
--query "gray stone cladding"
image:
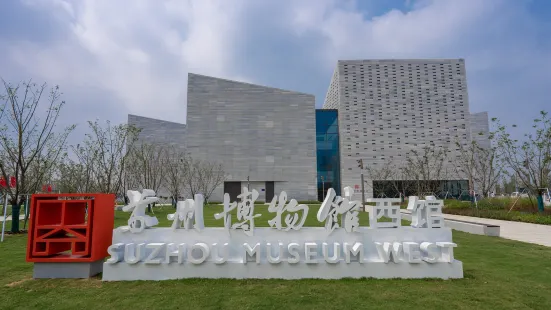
{"points": [[332, 96], [266, 134], [480, 129], [159, 132], [155, 131], [390, 107]]}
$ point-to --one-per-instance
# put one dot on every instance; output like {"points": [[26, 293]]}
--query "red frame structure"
{"points": [[59, 230]]}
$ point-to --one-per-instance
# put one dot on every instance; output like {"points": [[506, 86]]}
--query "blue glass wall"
{"points": [[328, 153]]}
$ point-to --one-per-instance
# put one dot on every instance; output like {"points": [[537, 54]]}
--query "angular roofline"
{"points": [[154, 119], [245, 83], [402, 60]]}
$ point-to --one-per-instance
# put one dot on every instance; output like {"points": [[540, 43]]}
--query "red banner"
{"points": [[13, 182]]}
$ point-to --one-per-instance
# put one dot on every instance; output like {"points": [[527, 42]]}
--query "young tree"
{"points": [[204, 177], [399, 180], [146, 165], [103, 155], [426, 168], [177, 172], [530, 158], [480, 165], [29, 142], [73, 177], [381, 176], [508, 185], [488, 170], [465, 163]]}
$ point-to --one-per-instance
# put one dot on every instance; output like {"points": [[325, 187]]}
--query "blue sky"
{"points": [[112, 58]]}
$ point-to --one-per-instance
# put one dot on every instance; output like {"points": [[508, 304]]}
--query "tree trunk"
{"points": [[15, 208], [540, 203]]}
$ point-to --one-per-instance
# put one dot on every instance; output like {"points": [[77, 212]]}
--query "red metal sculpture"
{"points": [[70, 227]]}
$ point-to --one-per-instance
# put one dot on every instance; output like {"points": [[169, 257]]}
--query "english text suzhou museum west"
{"points": [[378, 111]]}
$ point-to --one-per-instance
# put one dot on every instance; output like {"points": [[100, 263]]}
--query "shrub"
{"points": [[496, 203], [498, 208], [516, 216]]}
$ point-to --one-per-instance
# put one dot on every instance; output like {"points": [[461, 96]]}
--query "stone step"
{"points": [[465, 226]]}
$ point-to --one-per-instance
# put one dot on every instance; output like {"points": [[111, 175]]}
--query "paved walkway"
{"points": [[525, 232], [21, 217]]}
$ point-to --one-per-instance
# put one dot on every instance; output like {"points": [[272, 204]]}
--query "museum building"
{"points": [[272, 139]]}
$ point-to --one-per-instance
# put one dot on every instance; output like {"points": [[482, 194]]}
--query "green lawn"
{"points": [[498, 208], [499, 274]]}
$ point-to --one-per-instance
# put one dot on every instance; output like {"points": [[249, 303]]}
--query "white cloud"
{"points": [[426, 31], [140, 52], [507, 64]]}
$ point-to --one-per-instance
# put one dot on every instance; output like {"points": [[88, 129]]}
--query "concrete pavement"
{"points": [[525, 232], [21, 217]]}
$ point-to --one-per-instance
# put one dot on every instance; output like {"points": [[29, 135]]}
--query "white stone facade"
{"points": [[390, 107], [480, 128]]}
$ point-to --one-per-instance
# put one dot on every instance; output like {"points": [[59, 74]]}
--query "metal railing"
{"points": [[5, 206]]}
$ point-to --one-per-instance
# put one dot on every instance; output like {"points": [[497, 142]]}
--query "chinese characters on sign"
{"points": [[333, 206], [138, 203], [290, 219], [245, 211], [384, 207], [426, 213], [189, 213], [286, 248], [335, 211]]}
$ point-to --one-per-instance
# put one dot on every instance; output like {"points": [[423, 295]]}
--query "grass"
{"points": [[498, 208], [499, 274]]}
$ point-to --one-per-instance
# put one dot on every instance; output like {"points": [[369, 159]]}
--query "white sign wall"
{"points": [[286, 250]]}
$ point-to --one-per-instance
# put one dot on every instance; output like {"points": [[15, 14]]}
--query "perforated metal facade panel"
{"points": [[389, 107]]}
